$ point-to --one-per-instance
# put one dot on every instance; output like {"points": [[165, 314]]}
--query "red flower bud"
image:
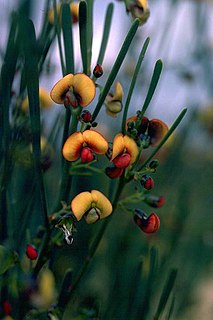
{"points": [[31, 252], [86, 155], [114, 172], [149, 224], [98, 71], [7, 309], [147, 182], [86, 116], [122, 161], [155, 202]]}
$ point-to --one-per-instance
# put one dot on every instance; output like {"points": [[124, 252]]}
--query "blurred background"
{"points": [[181, 35]]}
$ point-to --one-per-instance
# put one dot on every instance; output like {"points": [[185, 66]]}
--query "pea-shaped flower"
{"points": [[113, 102], [83, 144], [93, 206], [124, 151], [74, 90]]}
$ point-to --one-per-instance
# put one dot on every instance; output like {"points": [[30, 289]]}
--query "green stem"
{"points": [[132, 85], [57, 27], [116, 66]]}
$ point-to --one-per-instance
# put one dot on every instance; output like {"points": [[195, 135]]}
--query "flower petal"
{"points": [[81, 204], [59, 90], [84, 88], [95, 141], [72, 147], [131, 148], [102, 203], [118, 145], [156, 130], [44, 99]]}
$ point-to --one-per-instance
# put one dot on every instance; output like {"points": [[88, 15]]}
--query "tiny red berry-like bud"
{"points": [[31, 252], [149, 224], [7, 309], [86, 116], [147, 182], [98, 71], [114, 172], [155, 202], [86, 155], [122, 161]]}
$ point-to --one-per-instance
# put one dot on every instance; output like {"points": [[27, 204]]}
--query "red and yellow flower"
{"points": [[139, 9], [44, 99], [74, 11], [93, 206], [83, 145], [74, 90]]}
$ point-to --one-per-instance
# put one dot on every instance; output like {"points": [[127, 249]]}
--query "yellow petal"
{"points": [[50, 15], [157, 130], [45, 101], [142, 4], [118, 95], [60, 89], [95, 141], [102, 203], [118, 145], [72, 147], [84, 88], [131, 148], [81, 204]]}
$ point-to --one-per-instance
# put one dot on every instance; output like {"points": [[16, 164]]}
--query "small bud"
{"points": [[98, 71], [94, 124], [154, 164], [155, 202], [6, 307], [147, 182], [86, 155], [114, 172], [149, 224], [31, 252], [86, 116], [145, 140]]}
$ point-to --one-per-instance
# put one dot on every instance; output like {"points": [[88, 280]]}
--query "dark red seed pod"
{"points": [[114, 172], [98, 71], [7, 308], [87, 155], [31, 252], [149, 224]]}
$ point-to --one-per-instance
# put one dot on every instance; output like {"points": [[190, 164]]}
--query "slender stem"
{"points": [[57, 27]]}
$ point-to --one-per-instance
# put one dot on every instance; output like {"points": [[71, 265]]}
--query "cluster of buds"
{"points": [[147, 132]]}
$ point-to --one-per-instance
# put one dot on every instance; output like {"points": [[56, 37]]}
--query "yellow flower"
{"points": [[139, 9], [74, 89], [45, 296], [83, 144], [74, 10], [44, 98], [124, 151], [93, 206], [113, 103]]}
